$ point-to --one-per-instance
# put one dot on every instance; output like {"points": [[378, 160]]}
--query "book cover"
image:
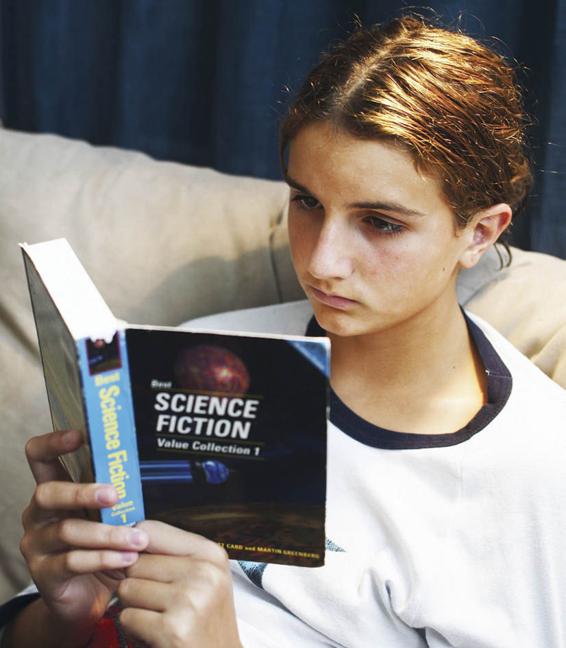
{"points": [[219, 433]]}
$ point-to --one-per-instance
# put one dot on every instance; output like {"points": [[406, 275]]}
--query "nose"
{"points": [[331, 256]]}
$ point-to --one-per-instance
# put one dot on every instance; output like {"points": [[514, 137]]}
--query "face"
{"points": [[373, 241]]}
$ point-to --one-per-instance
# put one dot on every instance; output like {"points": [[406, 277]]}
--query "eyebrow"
{"points": [[377, 205]]}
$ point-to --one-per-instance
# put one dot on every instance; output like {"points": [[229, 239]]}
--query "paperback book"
{"points": [[219, 433]]}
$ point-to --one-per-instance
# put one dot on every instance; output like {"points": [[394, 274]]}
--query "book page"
{"points": [[62, 381]]}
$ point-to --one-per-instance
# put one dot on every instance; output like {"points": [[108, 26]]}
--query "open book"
{"points": [[222, 434]]}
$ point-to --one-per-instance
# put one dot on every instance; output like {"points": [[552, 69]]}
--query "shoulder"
{"points": [[534, 396], [516, 361], [290, 318]]}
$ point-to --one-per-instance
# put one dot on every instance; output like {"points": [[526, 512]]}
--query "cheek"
{"points": [[392, 260], [407, 264], [294, 238], [302, 238]]}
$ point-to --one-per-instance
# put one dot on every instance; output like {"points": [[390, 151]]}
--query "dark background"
{"points": [[205, 81]]}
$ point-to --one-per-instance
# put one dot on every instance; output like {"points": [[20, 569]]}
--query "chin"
{"points": [[340, 324], [337, 323]]}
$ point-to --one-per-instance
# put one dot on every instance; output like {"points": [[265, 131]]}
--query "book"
{"points": [[219, 433]]}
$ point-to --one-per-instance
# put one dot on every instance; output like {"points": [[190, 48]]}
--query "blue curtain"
{"points": [[205, 81]]}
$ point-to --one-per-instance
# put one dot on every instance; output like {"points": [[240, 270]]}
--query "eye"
{"points": [[304, 201], [383, 226]]}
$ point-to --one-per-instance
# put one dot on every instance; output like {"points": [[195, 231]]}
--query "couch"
{"points": [[166, 242]]}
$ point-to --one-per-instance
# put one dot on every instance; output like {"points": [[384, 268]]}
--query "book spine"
{"points": [[111, 425]]}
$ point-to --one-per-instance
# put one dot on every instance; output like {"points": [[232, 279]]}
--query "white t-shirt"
{"points": [[439, 540], [432, 540]]}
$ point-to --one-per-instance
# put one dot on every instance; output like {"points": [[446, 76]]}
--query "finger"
{"points": [[50, 498], [144, 594], [43, 454], [161, 568], [170, 569], [143, 625], [85, 534], [165, 539], [59, 568]]}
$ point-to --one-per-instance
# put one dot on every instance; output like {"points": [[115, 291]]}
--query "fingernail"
{"points": [[106, 496], [128, 557], [138, 538]]}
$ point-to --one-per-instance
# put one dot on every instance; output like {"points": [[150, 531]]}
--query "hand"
{"points": [[75, 563], [179, 593]]}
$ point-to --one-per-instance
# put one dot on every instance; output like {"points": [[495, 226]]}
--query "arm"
{"points": [[35, 625]]}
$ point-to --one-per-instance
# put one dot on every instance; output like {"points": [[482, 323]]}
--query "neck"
{"points": [[410, 376]]}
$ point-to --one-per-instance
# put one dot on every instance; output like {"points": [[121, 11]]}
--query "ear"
{"points": [[483, 230]]}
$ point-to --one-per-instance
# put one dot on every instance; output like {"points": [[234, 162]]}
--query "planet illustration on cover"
{"points": [[207, 367]]}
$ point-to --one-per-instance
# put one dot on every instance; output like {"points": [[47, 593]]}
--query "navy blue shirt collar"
{"points": [[498, 381]]}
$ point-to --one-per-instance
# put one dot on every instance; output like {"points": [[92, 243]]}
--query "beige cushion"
{"points": [[527, 304]]}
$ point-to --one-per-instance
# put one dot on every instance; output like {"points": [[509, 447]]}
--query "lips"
{"points": [[329, 299]]}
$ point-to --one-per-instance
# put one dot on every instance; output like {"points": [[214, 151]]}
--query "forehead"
{"points": [[328, 160]]}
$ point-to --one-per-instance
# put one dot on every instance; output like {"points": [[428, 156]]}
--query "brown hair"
{"points": [[452, 102]]}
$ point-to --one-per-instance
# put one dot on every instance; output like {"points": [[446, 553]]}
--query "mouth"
{"points": [[336, 301]]}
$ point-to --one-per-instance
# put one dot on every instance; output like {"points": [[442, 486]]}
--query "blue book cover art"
{"points": [[232, 439], [111, 427]]}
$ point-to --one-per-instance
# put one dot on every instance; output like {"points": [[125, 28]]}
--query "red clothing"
{"points": [[110, 634]]}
